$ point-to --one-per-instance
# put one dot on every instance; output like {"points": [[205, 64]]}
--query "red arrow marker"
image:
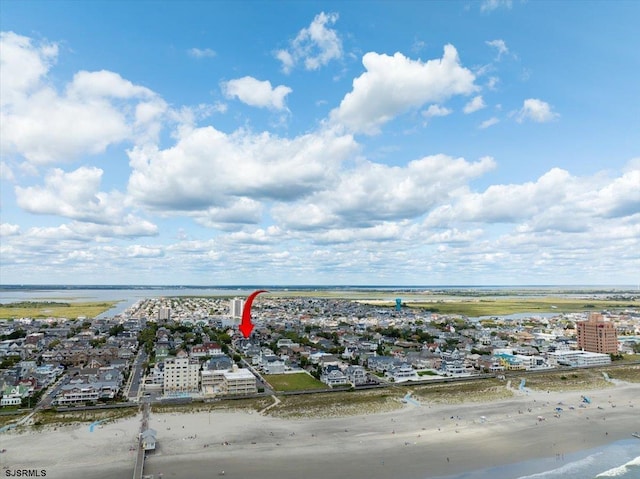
{"points": [[246, 326]]}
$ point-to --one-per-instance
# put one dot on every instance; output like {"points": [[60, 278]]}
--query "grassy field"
{"points": [[472, 304], [496, 307], [51, 309], [294, 382]]}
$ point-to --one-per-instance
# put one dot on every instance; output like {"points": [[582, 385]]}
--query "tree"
{"points": [[17, 334], [9, 362], [115, 330], [97, 342]]}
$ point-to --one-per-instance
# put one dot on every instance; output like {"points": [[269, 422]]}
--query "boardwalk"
{"points": [[137, 471]]}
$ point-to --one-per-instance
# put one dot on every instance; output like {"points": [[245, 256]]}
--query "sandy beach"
{"points": [[414, 442]]}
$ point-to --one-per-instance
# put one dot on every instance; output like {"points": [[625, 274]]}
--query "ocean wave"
{"points": [[566, 468], [621, 470]]}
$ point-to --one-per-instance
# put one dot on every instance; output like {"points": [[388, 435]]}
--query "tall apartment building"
{"points": [[597, 335], [236, 308], [181, 374], [164, 314]]}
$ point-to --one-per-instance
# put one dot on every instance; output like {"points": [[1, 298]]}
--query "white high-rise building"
{"points": [[236, 308], [164, 314], [181, 374]]}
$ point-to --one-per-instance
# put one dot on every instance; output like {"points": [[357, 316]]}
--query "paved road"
{"points": [[136, 375], [48, 398]]}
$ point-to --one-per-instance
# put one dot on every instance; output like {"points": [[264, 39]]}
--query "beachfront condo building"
{"points": [[238, 381], [597, 335], [181, 375]]}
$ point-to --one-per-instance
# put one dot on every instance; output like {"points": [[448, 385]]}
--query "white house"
{"points": [[402, 373], [356, 375], [334, 377]]}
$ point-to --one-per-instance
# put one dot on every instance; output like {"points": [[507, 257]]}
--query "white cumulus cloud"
{"points": [[36, 119], [436, 110], [394, 84], [208, 169], [373, 192], [536, 110], [8, 229], [257, 93], [314, 46], [477, 103]]}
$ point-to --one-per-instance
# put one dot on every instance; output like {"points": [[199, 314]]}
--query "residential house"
{"points": [[402, 373], [12, 395], [205, 349], [356, 375], [383, 363], [332, 376]]}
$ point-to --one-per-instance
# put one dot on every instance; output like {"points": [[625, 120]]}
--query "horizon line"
{"points": [[311, 285]]}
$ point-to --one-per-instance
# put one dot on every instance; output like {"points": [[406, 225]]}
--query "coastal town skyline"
{"points": [[328, 143], [433, 373]]}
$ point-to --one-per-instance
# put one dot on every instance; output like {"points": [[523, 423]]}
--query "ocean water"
{"points": [[620, 460]]}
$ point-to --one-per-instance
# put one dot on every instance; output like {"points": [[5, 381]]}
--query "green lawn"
{"points": [[294, 382]]}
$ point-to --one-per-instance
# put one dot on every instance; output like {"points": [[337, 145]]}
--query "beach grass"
{"points": [[52, 309], [294, 382], [337, 404], [9, 418], [245, 404], [629, 373], [462, 392], [54, 418], [572, 380]]}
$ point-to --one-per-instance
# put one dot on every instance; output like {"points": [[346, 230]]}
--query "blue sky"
{"points": [[213, 143]]}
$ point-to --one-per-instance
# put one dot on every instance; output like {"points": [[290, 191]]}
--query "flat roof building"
{"points": [[597, 335], [181, 374]]}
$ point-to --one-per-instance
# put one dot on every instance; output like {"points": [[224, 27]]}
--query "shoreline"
{"points": [[409, 443]]}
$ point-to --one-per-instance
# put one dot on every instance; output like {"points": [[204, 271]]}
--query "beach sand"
{"points": [[412, 442]]}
